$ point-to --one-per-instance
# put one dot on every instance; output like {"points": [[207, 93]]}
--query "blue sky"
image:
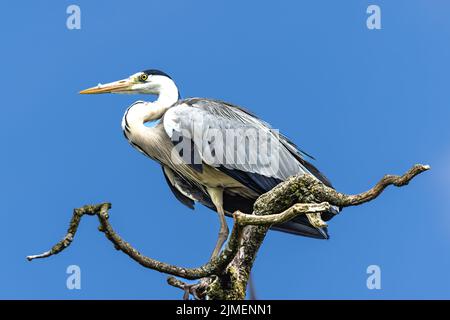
{"points": [[363, 102]]}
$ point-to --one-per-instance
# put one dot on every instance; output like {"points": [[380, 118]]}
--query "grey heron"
{"points": [[222, 186]]}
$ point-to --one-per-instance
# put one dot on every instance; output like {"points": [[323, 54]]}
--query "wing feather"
{"points": [[208, 122]]}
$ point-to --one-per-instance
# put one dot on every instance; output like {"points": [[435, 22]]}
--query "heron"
{"points": [[156, 128]]}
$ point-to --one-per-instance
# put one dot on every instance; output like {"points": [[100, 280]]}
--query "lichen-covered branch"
{"points": [[226, 276], [286, 198], [311, 210]]}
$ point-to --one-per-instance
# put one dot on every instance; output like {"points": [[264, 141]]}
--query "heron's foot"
{"points": [[316, 220]]}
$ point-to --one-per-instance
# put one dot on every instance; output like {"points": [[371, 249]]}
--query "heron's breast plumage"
{"points": [[157, 145]]}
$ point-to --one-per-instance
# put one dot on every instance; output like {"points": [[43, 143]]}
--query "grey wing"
{"points": [[198, 122], [234, 141]]}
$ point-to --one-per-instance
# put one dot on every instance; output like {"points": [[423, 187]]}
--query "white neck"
{"points": [[143, 138], [141, 112], [167, 93]]}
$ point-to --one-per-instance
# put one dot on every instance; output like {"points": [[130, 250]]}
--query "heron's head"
{"points": [[145, 82]]}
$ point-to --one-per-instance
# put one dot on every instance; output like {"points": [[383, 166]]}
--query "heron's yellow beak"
{"points": [[121, 86]]}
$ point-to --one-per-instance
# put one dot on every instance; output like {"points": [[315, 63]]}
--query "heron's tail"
{"points": [[301, 226]]}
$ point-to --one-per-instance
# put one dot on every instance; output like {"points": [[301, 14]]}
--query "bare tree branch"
{"points": [[398, 181], [226, 276], [101, 211], [310, 209]]}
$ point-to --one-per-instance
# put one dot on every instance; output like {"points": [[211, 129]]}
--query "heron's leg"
{"points": [[217, 198], [223, 233]]}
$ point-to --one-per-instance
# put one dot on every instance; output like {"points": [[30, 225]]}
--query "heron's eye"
{"points": [[143, 77]]}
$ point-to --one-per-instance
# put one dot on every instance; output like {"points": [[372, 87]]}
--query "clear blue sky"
{"points": [[363, 102]]}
